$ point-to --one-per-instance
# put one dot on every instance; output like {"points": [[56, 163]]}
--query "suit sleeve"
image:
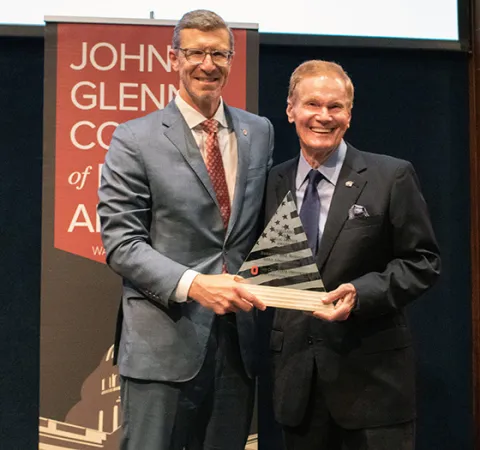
{"points": [[416, 261], [125, 211]]}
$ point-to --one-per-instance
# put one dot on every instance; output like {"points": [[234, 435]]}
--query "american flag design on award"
{"points": [[281, 264]]}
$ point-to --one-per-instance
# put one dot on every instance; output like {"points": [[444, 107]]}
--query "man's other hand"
{"points": [[223, 294], [345, 297]]}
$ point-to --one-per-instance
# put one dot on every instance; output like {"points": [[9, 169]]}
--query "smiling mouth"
{"points": [[206, 80], [322, 130]]}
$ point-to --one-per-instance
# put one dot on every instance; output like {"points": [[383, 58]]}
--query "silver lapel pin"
{"points": [[349, 183]]}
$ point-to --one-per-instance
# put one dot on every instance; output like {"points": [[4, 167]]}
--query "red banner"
{"points": [[96, 76], [108, 74]]}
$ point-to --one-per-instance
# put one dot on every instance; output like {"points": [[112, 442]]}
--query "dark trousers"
{"points": [[318, 431], [210, 412]]}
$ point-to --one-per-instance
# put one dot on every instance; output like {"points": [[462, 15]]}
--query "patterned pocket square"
{"points": [[357, 211]]}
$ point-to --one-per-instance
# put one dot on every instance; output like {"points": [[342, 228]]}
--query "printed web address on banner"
{"points": [[98, 250]]}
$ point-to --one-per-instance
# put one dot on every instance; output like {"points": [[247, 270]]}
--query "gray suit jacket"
{"points": [[159, 217], [365, 363]]}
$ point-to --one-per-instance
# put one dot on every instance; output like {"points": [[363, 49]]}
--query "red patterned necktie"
{"points": [[214, 163]]}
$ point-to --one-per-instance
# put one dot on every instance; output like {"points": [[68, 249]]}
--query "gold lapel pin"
{"points": [[349, 183], [245, 132]]}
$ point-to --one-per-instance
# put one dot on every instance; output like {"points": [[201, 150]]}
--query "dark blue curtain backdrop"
{"points": [[410, 104], [21, 100]]}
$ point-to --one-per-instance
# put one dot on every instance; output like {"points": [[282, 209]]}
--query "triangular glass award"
{"points": [[280, 269]]}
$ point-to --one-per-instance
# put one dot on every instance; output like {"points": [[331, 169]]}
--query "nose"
{"points": [[208, 64], [323, 114]]}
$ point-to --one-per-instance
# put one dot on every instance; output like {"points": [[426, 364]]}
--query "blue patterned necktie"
{"points": [[310, 212]]}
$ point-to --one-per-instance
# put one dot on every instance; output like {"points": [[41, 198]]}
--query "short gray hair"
{"points": [[203, 20]]}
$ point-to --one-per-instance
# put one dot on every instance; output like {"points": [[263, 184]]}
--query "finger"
{"points": [[351, 300], [242, 304], [344, 316], [220, 310], [341, 313], [324, 315], [259, 304], [233, 308], [338, 304], [340, 293], [329, 298], [239, 279], [340, 318], [252, 299]]}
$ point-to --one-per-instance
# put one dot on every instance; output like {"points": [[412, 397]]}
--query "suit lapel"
{"points": [[286, 181], [181, 137], [350, 184], [242, 133]]}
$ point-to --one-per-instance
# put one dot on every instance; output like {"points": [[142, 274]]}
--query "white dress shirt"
{"points": [[227, 142]]}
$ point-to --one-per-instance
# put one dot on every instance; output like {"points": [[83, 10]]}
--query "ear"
{"points": [[173, 56], [290, 111]]}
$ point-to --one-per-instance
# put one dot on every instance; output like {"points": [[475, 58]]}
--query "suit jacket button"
{"points": [[310, 340]]}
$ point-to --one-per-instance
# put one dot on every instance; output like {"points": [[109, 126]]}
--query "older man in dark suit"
{"points": [[344, 378], [179, 206]]}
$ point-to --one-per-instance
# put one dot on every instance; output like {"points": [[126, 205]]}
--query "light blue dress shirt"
{"points": [[330, 170]]}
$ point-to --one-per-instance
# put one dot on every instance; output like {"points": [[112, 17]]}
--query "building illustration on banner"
{"points": [[94, 422]]}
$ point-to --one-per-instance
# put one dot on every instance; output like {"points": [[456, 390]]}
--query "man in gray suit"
{"points": [[344, 378], [180, 199]]}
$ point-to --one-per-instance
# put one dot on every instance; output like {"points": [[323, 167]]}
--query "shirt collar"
{"points": [[330, 169], [195, 118]]}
